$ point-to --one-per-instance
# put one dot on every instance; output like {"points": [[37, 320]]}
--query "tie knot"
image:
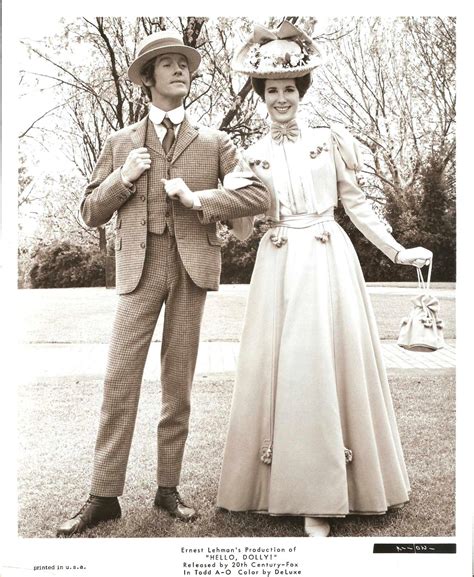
{"points": [[167, 123]]}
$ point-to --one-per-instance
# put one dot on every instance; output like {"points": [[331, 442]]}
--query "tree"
{"points": [[94, 97], [392, 82]]}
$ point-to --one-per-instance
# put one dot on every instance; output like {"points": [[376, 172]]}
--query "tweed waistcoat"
{"points": [[160, 208]]}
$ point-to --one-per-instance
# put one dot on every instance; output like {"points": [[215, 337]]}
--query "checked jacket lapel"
{"points": [[187, 133]]}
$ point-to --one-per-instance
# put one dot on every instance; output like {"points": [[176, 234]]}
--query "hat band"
{"points": [[167, 42]]}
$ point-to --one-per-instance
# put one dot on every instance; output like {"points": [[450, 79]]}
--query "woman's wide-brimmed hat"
{"points": [[286, 52], [163, 42]]}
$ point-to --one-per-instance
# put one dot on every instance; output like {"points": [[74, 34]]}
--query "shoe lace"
{"points": [[84, 506], [179, 499]]}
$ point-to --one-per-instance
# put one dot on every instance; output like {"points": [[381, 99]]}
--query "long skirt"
{"points": [[312, 429]]}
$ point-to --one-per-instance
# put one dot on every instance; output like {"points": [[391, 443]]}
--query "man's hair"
{"points": [[302, 84], [147, 71]]}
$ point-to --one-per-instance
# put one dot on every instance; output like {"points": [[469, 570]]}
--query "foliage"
{"points": [[238, 257], [63, 264]]}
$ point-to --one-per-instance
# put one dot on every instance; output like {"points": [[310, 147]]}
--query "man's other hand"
{"points": [[177, 189]]}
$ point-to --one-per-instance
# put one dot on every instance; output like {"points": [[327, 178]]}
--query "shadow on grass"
{"points": [[58, 422]]}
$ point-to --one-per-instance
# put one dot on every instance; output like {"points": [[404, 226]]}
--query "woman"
{"points": [[312, 429]]}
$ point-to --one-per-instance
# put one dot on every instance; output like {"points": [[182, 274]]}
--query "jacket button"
{"points": [[167, 214], [168, 173], [142, 244], [142, 197], [169, 158], [143, 221]]}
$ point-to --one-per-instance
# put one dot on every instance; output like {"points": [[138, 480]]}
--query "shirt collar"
{"points": [[157, 115]]}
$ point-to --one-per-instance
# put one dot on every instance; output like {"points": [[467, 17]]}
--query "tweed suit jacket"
{"points": [[202, 157]]}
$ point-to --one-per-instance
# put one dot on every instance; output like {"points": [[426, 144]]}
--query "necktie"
{"points": [[169, 136], [290, 131]]}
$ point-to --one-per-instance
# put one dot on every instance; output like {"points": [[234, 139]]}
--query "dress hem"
{"points": [[313, 514]]}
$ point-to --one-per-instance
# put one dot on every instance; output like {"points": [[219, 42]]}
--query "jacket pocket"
{"points": [[213, 238]]}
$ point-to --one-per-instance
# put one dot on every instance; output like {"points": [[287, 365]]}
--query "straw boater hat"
{"points": [[283, 53], [164, 42]]}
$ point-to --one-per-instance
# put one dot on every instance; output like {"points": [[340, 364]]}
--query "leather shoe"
{"points": [[170, 500], [94, 511], [316, 527]]}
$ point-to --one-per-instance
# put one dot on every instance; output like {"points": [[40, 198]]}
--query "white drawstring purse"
{"points": [[422, 330]]}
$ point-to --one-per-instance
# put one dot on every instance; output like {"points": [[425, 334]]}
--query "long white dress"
{"points": [[311, 383]]}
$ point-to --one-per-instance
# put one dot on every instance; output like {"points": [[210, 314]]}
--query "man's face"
{"points": [[171, 80]]}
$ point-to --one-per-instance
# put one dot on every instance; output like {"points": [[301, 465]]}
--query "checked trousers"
{"points": [[164, 281]]}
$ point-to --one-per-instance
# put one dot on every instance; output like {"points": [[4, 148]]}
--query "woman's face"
{"points": [[282, 99]]}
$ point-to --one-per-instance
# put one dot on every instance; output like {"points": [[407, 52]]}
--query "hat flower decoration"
{"points": [[287, 52]]}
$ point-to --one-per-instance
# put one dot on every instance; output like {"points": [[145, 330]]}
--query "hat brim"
{"points": [[192, 56], [286, 73]]}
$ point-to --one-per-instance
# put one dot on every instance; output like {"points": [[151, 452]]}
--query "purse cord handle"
{"points": [[421, 282]]}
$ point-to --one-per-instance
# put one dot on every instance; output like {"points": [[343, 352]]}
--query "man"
{"points": [[160, 176]]}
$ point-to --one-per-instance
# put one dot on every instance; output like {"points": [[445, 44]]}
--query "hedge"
{"points": [[63, 264]]}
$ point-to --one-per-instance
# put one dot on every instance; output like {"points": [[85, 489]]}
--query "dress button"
{"points": [[143, 197], [143, 221], [142, 244]]}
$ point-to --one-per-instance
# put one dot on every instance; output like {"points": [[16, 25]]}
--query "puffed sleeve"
{"points": [[348, 160]]}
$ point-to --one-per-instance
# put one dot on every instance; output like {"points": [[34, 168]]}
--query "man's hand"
{"points": [[176, 188], [138, 160]]}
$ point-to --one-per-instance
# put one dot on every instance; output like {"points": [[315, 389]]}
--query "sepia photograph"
{"points": [[234, 274]]}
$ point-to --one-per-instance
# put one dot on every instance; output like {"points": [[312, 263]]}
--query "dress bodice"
{"points": [[292, 178], [312, 175]]}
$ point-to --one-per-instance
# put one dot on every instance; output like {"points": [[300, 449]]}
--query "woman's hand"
{"points": [[418, 256]]}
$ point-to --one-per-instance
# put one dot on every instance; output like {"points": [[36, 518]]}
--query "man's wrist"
{"points": [[197, 202], [125, 181]]}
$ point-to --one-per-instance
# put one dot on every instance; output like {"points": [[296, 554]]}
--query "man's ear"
{"points": [[146, 81]]}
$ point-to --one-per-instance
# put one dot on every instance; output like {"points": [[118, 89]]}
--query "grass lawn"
{"points": [[54, 464], [86, 315]]}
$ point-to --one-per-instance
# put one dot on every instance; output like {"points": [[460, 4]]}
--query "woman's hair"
{"points": [[302, 84]]}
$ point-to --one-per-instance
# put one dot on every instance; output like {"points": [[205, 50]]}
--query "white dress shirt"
{"points": [[157, 115]]}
